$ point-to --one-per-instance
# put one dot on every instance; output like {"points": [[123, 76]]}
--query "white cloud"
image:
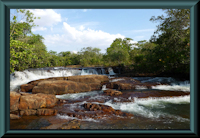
{"points": [[74, 39], [48, 17]]}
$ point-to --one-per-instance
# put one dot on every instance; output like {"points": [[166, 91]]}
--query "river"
{"points": [[149, 113]]}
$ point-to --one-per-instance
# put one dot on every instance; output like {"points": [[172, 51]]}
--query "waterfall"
{"points": [[22, 77]]}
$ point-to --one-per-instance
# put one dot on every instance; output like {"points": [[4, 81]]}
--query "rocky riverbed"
{"points": [[98, 102]]}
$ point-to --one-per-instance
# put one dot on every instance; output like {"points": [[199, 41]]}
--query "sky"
{"points": [[74, 29]]}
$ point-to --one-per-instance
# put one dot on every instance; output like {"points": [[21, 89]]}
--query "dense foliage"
{"points": [[167, 51]]}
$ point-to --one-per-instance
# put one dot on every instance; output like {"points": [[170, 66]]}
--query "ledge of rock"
{"points": [[125, 83], [36, 101], [63, 85], [32, 104], [38, 112], [60, 87]]}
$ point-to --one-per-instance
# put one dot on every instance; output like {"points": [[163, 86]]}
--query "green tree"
{"points": [[173, 38], [90, 56], [119, 50], [21, 52]]}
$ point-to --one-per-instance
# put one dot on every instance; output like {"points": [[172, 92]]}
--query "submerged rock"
{"points": [[73, 124], [112, 92]]}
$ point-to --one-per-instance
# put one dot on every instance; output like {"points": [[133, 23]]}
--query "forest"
{"points": [[168, 49]]}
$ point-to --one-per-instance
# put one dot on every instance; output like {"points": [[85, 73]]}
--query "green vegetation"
{"points": [[167, 51]]}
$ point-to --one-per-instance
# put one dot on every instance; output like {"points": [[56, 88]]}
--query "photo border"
{"points": [[6, 5]]}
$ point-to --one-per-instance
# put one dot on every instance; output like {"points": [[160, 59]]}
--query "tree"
{"points": [[21, 51], [90, 56], [173, 38], [119, 50]]}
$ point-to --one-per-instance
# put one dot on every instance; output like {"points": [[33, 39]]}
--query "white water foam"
{"points": [[23, 77], [75, 96], [181, 86], [71, 118], [139, 106], [115, 80]]}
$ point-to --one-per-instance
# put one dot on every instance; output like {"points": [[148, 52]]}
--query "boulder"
{"points": [[112, 92], [125, 83], [36, 101], [14, 101], [63, 85], [60, 87], [102, 110], [26, 87]]}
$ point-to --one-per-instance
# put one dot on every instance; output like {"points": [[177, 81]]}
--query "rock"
{"points": [[63, 85], [28, 112], [60, 87], [36, 101], [125, 83], [111, 92], [26, 87], [13, 116], [89, 78], [14, 101], [46, 112], [73, 124], [39, 112], [102, 110], [95, 86]]}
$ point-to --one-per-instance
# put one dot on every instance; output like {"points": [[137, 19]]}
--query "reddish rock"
{"points": [[26, 87], [36, 101], [27, 112], [125, 83], [39, 112], [60, 87], [95, 86], [112, 92], [89, 78], [104, 110], [14, 101], [63, 85], [46, 112]]}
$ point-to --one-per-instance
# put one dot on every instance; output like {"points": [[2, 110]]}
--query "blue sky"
{"points": [[73, 29]]}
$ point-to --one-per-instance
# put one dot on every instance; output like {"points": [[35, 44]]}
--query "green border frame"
{"points": [[6, 5]]}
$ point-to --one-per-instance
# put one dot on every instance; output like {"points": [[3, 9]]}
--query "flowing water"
{"points": [[149, 113]]}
